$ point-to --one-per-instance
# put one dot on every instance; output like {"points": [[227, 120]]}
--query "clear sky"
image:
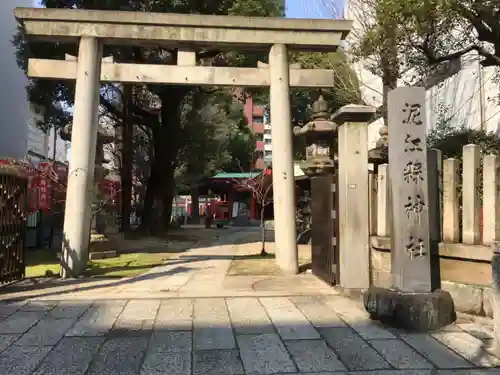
{"points": [[314, 8]]}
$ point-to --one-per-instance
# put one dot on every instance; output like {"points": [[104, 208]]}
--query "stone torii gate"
{"points": [[188, 33]]}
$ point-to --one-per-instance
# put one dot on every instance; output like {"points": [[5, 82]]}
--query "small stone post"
{"points": [[372, 186], [470, 195], [495, 300], [354, 213], [491, 199], [451, 204], [384, 212]]}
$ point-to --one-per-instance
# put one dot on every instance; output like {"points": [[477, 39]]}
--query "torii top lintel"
{"points": [[169, 29]]}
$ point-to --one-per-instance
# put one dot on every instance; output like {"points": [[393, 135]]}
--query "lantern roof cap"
{"points": [[353, 113]]}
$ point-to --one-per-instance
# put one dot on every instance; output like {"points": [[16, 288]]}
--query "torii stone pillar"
{"points": [[81, 164], [283, 178]]}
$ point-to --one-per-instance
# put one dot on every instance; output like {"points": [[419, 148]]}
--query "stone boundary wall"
{"points": [[465, 273], [469, 199]]}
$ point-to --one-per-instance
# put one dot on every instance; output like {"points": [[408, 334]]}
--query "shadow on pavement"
{"points": [[270, 335]]}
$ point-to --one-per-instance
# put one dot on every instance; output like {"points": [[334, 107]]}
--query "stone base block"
{"points": [[103, 255], [419, 312], [100, 243]]}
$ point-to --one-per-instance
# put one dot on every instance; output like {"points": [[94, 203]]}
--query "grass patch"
{"points": [[126, 265], [41, 263], [44, 262], [265, 265]]}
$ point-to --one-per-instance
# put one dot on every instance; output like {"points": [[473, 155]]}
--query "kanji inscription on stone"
{"points": [[415, 247], [411, 248], [413, 172], [413, 112], [415, 205], [413, 143]]}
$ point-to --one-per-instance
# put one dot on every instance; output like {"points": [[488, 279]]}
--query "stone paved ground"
{"points": [[189, 317], [268, 335]]}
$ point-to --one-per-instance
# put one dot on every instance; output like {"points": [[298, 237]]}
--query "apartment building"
{"points": [[255, 115], [268, 140]]}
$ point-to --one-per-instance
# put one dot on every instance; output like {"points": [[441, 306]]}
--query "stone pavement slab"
{"points": [[288, 320], [313, 356], [264, 354], [169, 352], [212, 327], [317, 312], [47, 332], [436, 352], [469, 347], [20, 322], [175, 315], [399, 355], [232, 336], [248, 316], [120, 356], [98, 320], [352, 350], [218, 362], [19, 360], [73, 355]]}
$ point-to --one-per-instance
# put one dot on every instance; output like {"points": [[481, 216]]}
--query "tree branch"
{"points": [[490, 59]]}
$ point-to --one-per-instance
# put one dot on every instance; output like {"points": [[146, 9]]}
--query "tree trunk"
{"points": [[263, 231], [153, 184], [389, 65], [167, 140], [127, 157], [168, 190], [195, 202]]}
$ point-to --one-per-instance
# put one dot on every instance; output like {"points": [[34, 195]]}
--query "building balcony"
{"points": [[268, 147], [267, 126], [258, 111], [257, 128], [259, 145]]}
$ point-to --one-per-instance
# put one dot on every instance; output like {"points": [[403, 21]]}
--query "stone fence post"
{"points": [[470, 195], [384, 208], [495, 300]]}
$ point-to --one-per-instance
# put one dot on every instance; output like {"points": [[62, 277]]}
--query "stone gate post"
{"points": [[354, 256], [81, 165], [283, 178]]}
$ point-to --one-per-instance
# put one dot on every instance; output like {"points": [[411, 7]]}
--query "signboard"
{"points": [[45, 177]]}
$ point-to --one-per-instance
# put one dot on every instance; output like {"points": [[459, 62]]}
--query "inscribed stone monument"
{"points": [[411, 260], [414, 302]]}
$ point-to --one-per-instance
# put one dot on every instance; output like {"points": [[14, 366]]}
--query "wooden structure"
{"points": [[13, 212]]}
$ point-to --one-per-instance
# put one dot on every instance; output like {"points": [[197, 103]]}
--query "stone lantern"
{"points": [[380, 154], [320, 134]]}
